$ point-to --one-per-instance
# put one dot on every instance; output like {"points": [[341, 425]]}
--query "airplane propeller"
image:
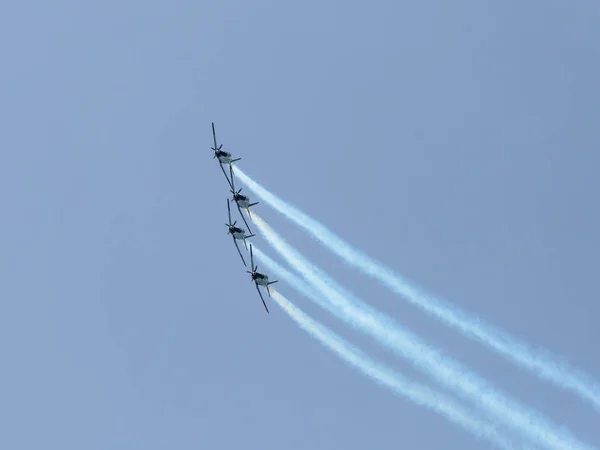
{"points": [[230, 226], [235, 194]]}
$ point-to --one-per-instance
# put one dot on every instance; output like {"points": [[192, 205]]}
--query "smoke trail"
{"points": [[444, 370], [543, 365], [417, 393]]}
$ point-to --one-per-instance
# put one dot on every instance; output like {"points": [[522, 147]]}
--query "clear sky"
{"points": [[457, 142]]}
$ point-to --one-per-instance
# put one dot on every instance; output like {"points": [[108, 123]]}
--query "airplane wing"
{"points": [[228, 211], [214, 136], [226, 177], [250, 206], [261, 297], [243, 218], [238, 249], [268, 284], [231, 178]]}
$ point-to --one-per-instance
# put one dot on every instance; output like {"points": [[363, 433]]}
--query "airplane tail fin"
{"points": [[248, 210], [269, 284]]}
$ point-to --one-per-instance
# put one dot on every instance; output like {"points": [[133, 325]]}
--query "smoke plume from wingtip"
{"points": [[541, 364], [385, 331], [415, 392]]}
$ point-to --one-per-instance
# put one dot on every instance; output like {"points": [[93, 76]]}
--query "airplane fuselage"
{"points": [[224, 157], [242, 201], [238, 234], [261, 279]]}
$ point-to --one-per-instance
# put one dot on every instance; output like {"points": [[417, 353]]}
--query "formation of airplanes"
{"points": [[237, 233]]}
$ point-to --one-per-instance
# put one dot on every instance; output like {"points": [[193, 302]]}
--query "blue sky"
{"points": [[454, 141]]}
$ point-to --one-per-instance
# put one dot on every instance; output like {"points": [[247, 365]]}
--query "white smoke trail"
{"points": [[415, 392], [444, 370], [542, 364]]}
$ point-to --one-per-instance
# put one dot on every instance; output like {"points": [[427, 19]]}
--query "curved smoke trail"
{"points": [[543, 365], [415, 392], [444, 370]]}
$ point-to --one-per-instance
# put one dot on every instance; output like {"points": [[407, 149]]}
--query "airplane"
{"points": [[223, 156], [260, 279], [241, 201], [237, 233]]}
